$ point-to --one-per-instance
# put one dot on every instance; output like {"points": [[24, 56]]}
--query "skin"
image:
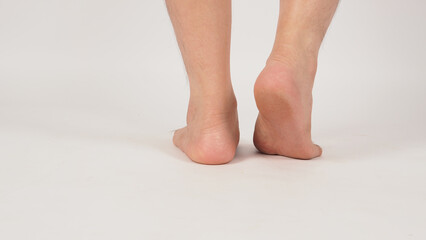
{"points": [[283, 90]]}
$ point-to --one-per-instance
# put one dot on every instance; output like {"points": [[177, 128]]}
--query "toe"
{"points": [[178, 137], [311, 152], [318, 150]]}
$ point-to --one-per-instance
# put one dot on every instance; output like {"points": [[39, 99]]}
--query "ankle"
{"points": [[295, 38], [214, 100], [294, 57], [211, 106], [294, 51]]}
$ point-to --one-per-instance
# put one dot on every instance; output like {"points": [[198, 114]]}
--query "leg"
{"points": [[283, 90], [203, 31]]}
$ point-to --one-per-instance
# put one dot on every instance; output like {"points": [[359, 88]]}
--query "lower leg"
{"points": [[283, 90], [203, 31]]}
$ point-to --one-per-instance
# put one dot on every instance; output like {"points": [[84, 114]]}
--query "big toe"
{"points": [[178, 137], [311, 152]]}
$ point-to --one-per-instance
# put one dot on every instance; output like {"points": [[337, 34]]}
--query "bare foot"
{"points": [[283, 93], [211, 135]]}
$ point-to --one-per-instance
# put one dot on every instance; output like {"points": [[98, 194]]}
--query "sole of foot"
{"points": [[283, 94], [208, 138]]}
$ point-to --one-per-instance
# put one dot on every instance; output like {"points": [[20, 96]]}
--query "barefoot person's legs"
{"points": [[203, 31], [283, 90]]}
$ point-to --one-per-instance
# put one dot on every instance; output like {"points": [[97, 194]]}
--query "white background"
{"points": [[91, 90]]}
